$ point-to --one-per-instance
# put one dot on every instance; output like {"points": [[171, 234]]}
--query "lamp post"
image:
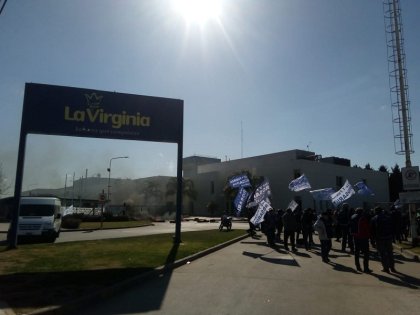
{"points": [[109, 174]]}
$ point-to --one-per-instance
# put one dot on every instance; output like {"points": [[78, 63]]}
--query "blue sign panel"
{"points": [[68, 111]]}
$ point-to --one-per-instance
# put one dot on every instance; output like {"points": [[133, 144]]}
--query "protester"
{"points": [[343, 219], [307, 222], [360, 230], [298, 214], [250, 214], [269, 225], [382, 228], [396, 221], [290, 227], [324, 228], [279, 224], [336, 226]]}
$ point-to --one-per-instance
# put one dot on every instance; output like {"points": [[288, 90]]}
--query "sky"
{"points": [[256, 77]]}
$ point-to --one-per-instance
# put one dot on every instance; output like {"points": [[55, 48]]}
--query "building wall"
{"points": [[280, 168]]}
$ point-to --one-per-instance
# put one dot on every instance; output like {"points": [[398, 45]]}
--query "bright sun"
{"points": [[198, 10]]}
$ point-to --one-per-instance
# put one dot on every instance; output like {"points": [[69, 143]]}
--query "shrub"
{"points": [[70, 222]]}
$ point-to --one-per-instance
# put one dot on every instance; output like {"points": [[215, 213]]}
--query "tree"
{"points": [[395, 183], [189, 194], [383, 169], [4, 187], [368, 167]]}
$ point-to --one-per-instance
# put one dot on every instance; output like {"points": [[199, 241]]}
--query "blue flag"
{"points": [[240, 200], [299, 184], [322, 194], [262, 192], [364, 190], [239, 181]]}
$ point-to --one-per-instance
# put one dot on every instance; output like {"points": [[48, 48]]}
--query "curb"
{"points": [[74, 305], [104, 229], [5, 309], [406, 253]]}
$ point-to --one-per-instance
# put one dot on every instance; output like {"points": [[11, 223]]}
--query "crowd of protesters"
{"points": [[356, 229]]}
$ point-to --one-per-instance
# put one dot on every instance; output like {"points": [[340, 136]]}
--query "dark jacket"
{"points": [[360, 227], [382, 226], [289, 222], [307, 220]]}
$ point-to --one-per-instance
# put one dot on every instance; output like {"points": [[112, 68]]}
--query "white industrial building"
{"points": [[210, 178]]}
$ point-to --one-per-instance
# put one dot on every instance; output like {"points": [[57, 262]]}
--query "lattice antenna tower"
{"points": [[398, 80]]}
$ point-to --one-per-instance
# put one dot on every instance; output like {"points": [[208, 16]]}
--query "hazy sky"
{"points": [[298, 74]]}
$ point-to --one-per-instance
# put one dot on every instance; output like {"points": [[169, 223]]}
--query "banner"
{"points": [[292, 205], [260, 213], [344, 193], [322, 194], [262, 192], [299, 184], [363, 189], [239, 181], [240, 200]]}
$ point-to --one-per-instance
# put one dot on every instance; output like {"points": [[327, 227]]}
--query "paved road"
{"points": [[250, 278], [156, 228]]}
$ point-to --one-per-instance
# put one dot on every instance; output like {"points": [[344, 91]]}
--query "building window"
{"points": [[212, 187], [339, 181]]}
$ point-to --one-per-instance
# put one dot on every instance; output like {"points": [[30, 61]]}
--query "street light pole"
{"points": [[109, 174]]}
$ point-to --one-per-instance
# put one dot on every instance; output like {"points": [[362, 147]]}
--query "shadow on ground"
{"points": [[26, 292]]}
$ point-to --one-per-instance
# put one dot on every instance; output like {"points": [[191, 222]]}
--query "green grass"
{"points": [[39, 275]]}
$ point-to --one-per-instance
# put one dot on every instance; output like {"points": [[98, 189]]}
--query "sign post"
{"points": [[77, 112]]}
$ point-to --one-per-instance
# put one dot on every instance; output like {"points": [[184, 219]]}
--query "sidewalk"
{"points": [[250, 278]]}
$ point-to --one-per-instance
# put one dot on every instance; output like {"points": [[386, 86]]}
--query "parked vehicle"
{"points": [[40, 217]]}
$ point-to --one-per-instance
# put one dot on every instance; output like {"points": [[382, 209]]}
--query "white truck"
{"points": [[40, 217]]}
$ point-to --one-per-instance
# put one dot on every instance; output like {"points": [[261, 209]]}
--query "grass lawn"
{"points": [[40, 275]]}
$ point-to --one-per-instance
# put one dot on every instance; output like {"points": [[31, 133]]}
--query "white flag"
{"points": [[258, 217], [344, 193], [292, 205], [299, 184]]}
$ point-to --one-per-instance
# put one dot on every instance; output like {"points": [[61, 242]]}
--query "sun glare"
{"points": [[198, 10]]}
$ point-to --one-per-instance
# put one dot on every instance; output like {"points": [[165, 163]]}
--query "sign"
{"points": [[76, 112], [59, 110], [410, 176]]}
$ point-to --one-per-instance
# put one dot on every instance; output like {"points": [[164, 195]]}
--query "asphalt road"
{"points": [[250, 278], [156, 228]]}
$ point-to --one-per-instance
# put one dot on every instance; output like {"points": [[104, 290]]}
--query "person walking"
{"points": [[382, 228], [290, 227], [360, 230], [325, 232]]}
